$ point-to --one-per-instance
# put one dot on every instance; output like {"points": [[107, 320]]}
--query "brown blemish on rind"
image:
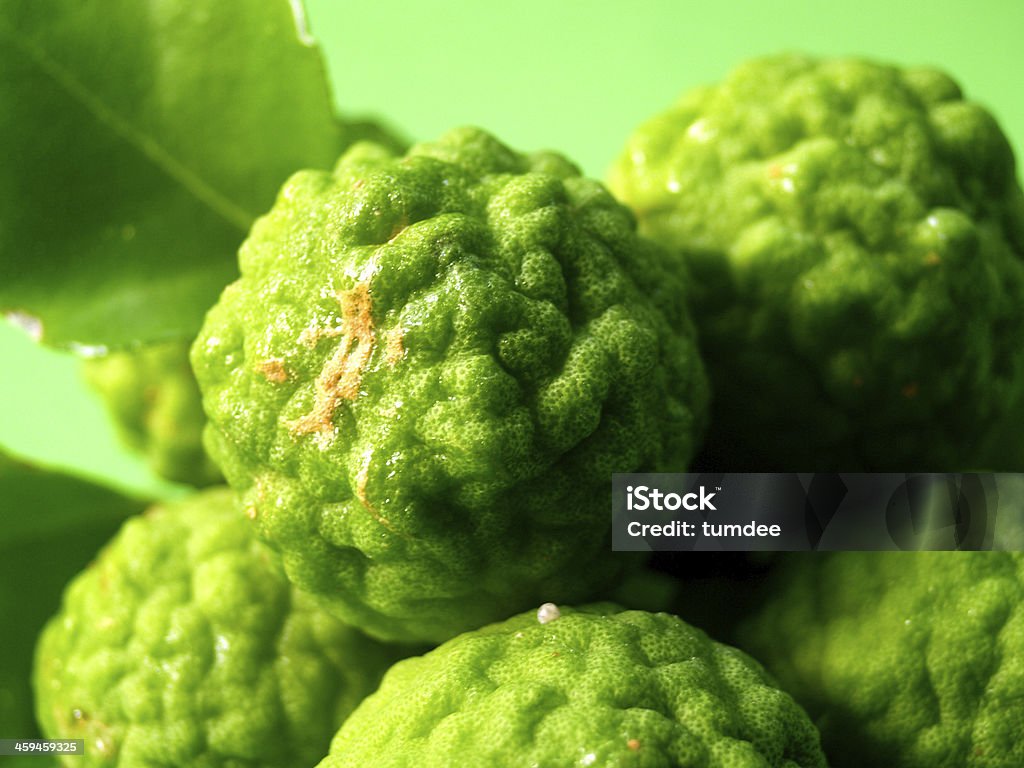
{"points": [[311, 336], [399, 227], [362, 478], [633, 745], [343, 373], [273, 370], [394, 349]]}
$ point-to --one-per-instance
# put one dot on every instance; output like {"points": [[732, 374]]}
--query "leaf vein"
{"points": [[180, 173]]}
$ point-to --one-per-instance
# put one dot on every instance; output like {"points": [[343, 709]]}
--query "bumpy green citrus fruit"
{"points": [[855, 234], [185, 645], [905, 659], [52, 525], [594, 687], [155, 402], [429, 370]]}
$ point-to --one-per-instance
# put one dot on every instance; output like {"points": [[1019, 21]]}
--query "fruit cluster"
{"points": [[431, 363]]}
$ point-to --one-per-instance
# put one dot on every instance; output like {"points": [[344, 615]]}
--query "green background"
{"points": [[570, 75]]}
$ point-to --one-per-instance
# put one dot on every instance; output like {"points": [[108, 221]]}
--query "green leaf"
{"points": [[141, 139], [51, 526]]}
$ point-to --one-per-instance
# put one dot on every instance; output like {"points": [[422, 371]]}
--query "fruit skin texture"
{"points": [[184, 644], [855, 236], [156, 406], [53, 525], [595, 687], [429, 370], [904, 659]]}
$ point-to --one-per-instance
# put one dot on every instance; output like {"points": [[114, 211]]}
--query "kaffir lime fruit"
{"points": [[593, 687], [904, 659], [429, 370], [184, 644], [855, 234]]}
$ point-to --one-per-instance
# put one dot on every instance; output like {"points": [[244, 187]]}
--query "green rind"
{"points": [[503, 342], [904, 659], [595, 687], [855, 233], [184, 644]]}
